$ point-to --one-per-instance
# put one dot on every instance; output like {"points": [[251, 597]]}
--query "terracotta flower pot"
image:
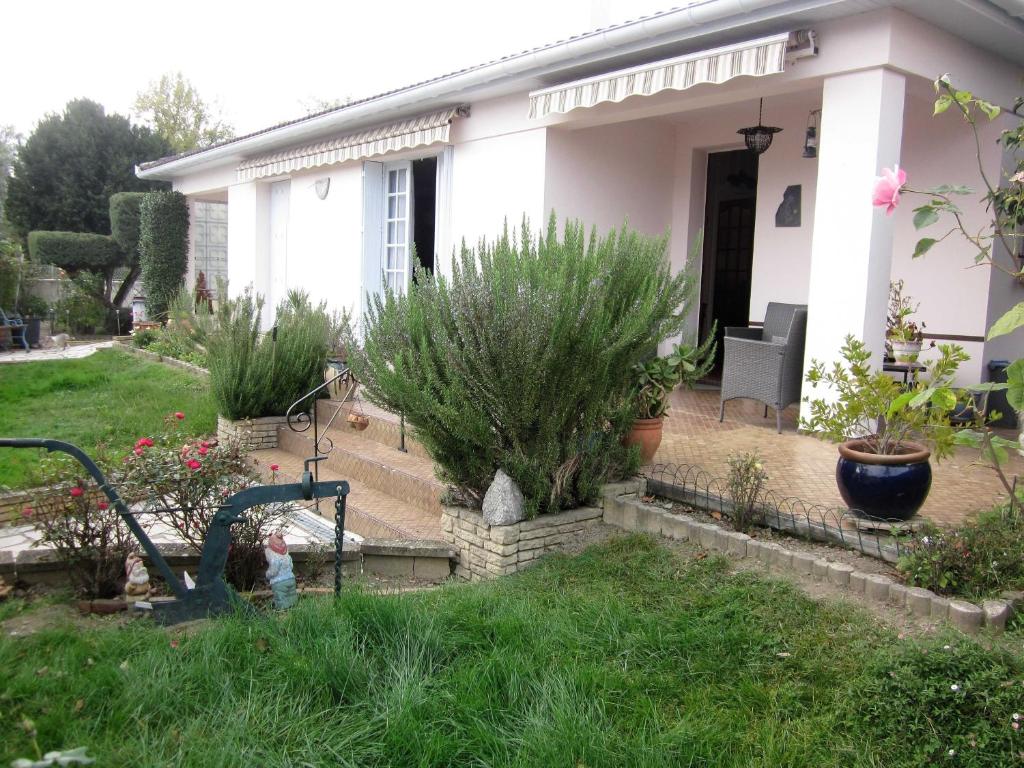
{"points": [[884, 487], [358, 421], [647, 434]]}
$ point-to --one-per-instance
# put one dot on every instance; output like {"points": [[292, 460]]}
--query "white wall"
{"points": [[608, 174], [247, 237], [497, 174], [953, 296], [325, 236]]}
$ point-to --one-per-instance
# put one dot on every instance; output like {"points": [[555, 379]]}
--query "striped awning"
{"points": [[415, 132], [756, 58]]}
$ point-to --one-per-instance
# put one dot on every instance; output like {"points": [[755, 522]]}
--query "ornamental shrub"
{"points": [[977, 559], [184, 481], [255, 374], [163, 248], [125, 221], [75, 251], [87, 534], [523, 359]]}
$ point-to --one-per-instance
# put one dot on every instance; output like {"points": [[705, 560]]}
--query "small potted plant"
{"points": [[904, 337], [654, 381], [886, 431]]}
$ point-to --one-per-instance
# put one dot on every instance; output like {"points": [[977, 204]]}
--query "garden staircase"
{"points": [[394, 493]]}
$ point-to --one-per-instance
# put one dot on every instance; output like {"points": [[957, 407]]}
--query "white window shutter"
{"points": [[373, 232]]}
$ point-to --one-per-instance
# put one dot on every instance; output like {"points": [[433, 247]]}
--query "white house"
{"points": [[640, 121]]}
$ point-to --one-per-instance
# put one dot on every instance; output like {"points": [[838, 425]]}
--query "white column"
{"points": [[851, 249], [248, 238]]}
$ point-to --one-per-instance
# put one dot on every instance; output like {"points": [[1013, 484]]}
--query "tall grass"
{"points": [[254, 374], [624, 656]]}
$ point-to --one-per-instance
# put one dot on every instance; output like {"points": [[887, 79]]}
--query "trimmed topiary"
{"points": [[75, 251], [163, 248]]}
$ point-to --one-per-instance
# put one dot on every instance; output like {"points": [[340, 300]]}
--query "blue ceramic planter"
{"points": [[884, 487]]}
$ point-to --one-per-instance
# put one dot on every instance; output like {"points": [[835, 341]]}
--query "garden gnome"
{"points": [[137, 587], [279, 572]]}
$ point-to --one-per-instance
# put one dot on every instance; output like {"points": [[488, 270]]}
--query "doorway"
{"points": [[424, 190], [730, 206]]}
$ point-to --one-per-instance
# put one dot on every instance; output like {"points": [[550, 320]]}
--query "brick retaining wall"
{"points": [[255, 433], [486, 551]]}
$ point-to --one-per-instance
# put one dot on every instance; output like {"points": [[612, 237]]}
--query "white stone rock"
{"points": [[503, 502]]}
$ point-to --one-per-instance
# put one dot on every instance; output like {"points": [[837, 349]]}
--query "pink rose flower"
{"points": [[203, 450], [76, 492], [26, 512], [137, 450], [193, 464], [274, 467], [887, 188], [179, 415], [204, 443], [104, 506]]}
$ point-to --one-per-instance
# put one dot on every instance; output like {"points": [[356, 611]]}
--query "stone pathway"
{"points": [[73, 352], [803, 466]]}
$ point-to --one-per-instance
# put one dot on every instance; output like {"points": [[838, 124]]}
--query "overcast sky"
{"points": [[264, 62]]}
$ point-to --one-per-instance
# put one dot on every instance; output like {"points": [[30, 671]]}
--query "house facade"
{"points": [[639, 122]]}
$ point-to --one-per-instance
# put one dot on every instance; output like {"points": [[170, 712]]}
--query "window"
{"points": [[397, 216]]}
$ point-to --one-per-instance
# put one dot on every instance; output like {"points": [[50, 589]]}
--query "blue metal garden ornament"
{"points": [[211, 595]]}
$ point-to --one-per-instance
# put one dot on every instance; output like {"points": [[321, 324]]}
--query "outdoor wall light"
{"points": [[811, 141], [758, 137], [323, 186]]}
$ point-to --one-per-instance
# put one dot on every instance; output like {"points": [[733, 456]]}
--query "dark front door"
{"points": [[728, 242]]}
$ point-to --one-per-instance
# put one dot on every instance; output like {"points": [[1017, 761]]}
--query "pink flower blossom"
{"points": [[26, 512], [76, 492], [104, 506], [204, 444], [274, 467], [137, 450], [193, 464], [887, 188], [203, 450], [179, 415], [174, 643]]}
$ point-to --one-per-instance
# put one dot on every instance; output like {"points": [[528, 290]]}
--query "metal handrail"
{"points": [[302, 420]]}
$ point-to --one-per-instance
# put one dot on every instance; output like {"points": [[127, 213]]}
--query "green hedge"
{"points": [[163, 248], [124, 222], [75, 251]]}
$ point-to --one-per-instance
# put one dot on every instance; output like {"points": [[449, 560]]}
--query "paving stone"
{"points": [[940, 607], [674, 527], [737, 543], [839, 574], [919, 600], [803, 563], [898, 595], [965, 616], [857, 582], [782, 558], [876, 587], [820, 569], [997, 613], [708, 536], [649, 519]]}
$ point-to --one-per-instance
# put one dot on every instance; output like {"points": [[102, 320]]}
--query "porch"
{"points": [[802, 466]]}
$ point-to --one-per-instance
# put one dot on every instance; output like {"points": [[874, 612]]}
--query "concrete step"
{"points": [[406, 477], [369, 512], [384, 428]]}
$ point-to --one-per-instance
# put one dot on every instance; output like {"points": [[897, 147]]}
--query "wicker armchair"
{"points": [[766, 364]]}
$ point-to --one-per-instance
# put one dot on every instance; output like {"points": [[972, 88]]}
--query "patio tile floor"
{"points": [[803, 466]]}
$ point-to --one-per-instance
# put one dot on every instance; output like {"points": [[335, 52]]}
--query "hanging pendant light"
{"points": [[811, 140], [758, 137]]}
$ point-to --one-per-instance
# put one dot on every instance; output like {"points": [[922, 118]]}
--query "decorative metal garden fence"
{"points": [[694, 486]]}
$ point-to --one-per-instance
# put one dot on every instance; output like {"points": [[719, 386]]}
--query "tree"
{"points": [[163, 248], [9, 141], [66, 171], [175, 110]]}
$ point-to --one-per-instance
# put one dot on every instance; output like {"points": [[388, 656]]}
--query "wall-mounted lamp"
{"points": [[322, 187], [811, 140]]}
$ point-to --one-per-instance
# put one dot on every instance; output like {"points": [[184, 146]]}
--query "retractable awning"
{"points": [[755, 58], [418, 131]]}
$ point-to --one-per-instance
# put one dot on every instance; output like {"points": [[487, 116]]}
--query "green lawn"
{"points": [[627, 655], [108, 398]]}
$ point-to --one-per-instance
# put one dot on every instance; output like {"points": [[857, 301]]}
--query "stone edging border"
{"points": [[631, 514], [154, 357], [426, 560]]}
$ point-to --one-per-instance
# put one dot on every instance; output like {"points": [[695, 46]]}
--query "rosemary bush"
{"points": [[523, 359], [253, 374]]}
